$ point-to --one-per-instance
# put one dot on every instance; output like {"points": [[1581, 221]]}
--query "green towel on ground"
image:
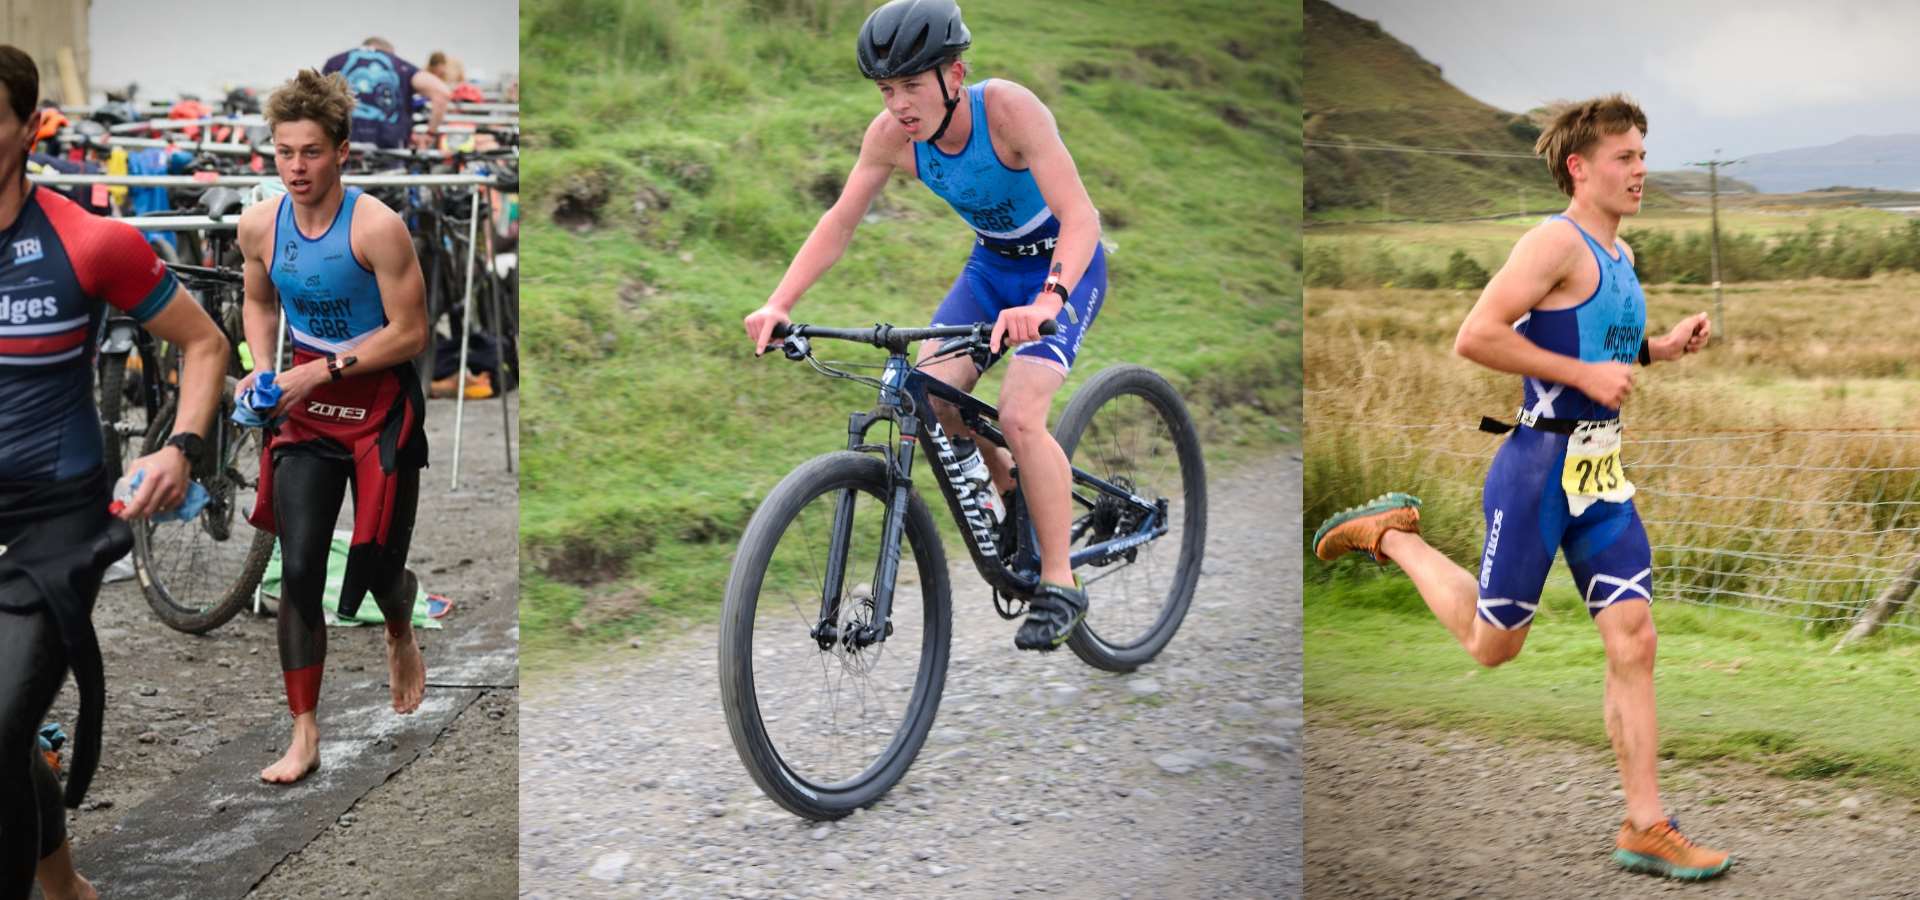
{"points": [[336, 576]]}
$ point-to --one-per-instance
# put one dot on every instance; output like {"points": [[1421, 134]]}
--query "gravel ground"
{"points": [[1180, 780], [1425, 813], [175, 698]]}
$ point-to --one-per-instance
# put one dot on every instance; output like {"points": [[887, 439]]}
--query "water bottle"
{"points": [[128, 485], [978, 480]]}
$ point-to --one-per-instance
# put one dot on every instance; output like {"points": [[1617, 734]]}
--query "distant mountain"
{"points": [[1365, 87], [1884, 161], [1695, 181]]}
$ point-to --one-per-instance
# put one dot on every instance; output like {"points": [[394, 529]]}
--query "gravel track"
{"points": [[1427, 813], [1042, 775]]}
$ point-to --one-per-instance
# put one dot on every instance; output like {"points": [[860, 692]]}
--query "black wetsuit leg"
{"points": [[392, 589], [307, 492], [33, 665]]}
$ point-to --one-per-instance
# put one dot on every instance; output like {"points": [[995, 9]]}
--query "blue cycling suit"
{"points": [[1015, 234], [1526, 509]]}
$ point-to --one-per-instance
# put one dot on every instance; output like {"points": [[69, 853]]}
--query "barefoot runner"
{"points": [[342, 267], [993, 153], [60, 270], [1567, 314]]}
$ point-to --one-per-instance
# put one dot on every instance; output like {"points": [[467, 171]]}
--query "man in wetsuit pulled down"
{"points": [[1567, 314], [342, 267], [60, 270]]}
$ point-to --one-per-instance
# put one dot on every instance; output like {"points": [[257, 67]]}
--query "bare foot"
{"points": [[59, 880], [406, 672], [303, 753]]}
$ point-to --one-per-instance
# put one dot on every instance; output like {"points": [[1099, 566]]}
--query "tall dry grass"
{"points": [[1779, 471]]}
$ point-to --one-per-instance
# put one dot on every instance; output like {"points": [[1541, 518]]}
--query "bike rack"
{"points": [[229, 223]]}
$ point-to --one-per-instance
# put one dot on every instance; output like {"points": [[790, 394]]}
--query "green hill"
{"points": [[1364, 86], [679, 152]]}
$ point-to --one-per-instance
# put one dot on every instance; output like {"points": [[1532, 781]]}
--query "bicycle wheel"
{"points": [[825, 731], [197, 574], [1127, 425], [111, 398]]}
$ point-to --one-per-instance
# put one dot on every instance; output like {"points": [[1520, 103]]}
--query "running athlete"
{"points": [[60, 271], [992, 151], [383, 88], [1567, 314], [341, 266]]}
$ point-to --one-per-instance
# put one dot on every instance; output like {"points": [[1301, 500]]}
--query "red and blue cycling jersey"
{"points": [[60, 268]]}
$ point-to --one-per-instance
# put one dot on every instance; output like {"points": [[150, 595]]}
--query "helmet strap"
{"points": [[940, 75]]}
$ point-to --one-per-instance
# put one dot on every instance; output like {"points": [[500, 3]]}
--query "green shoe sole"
{"points": [[1382, 503], [1648, 865]]}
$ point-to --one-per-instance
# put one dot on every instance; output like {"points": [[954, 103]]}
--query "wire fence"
{"points": [[1805, 524]]}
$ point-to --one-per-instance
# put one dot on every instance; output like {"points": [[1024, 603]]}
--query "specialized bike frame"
{"points": [[904, 401]]}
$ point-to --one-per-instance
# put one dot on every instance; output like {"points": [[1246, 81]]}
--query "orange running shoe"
{"points": [[1361, 527], [1662, 850]]}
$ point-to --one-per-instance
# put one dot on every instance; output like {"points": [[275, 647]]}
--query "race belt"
{"points": [[1035, 249], [1532, 420]]}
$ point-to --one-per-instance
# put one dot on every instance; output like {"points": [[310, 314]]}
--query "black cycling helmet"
{"points": [[907, 37]]}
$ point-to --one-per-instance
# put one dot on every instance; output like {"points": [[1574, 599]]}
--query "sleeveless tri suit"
{"points": [[1527, 509], [366, 429], [1015, 234]]}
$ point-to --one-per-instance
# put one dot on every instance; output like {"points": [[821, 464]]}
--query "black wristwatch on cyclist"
{"points": [[1054, 285], [190, 445]]}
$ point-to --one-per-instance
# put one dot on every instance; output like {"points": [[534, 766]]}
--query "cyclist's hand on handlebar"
{"points": [[760, 324], [1021, 324], [164, 485]]}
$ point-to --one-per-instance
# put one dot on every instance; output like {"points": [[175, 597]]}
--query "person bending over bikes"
{"points": [[341, 265], [384, 85], [1567, 313], [992, 151], [60, 269]]}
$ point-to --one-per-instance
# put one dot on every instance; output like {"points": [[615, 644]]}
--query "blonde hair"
{"points": [[324, 100], [1579, 126]]}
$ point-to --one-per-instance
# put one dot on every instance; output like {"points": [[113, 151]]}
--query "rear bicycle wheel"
{"points": [[1127, 425], [827, 730], [197, 574]]}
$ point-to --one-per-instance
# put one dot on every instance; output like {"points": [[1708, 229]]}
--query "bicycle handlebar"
{"points": [[891, 337]]}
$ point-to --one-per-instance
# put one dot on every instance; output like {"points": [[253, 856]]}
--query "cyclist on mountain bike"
{"points": [[1567, 313], [992, 151], [60, 269], [341, 265]]}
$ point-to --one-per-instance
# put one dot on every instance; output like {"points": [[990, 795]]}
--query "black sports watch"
{"points": [[1055, 286], [192, 446]]}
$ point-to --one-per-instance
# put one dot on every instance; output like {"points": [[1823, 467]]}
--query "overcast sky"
{"points": [[168, 49], [1746, 76]]}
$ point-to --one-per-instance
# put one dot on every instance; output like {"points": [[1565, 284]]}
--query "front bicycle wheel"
{"points": [[1127, 425], [825, 730], [197, 574]]}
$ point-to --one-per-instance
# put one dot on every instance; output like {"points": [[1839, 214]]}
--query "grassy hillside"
{"points": [[1364, 86], [680, 153]]}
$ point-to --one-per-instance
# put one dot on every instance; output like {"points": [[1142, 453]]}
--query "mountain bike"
{"points": [[835, 633]]}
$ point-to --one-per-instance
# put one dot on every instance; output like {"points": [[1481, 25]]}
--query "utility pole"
{"points": [[1713, 192]]}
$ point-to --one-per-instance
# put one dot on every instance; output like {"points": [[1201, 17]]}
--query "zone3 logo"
{"points": [[27, 250], [333, 411]]}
